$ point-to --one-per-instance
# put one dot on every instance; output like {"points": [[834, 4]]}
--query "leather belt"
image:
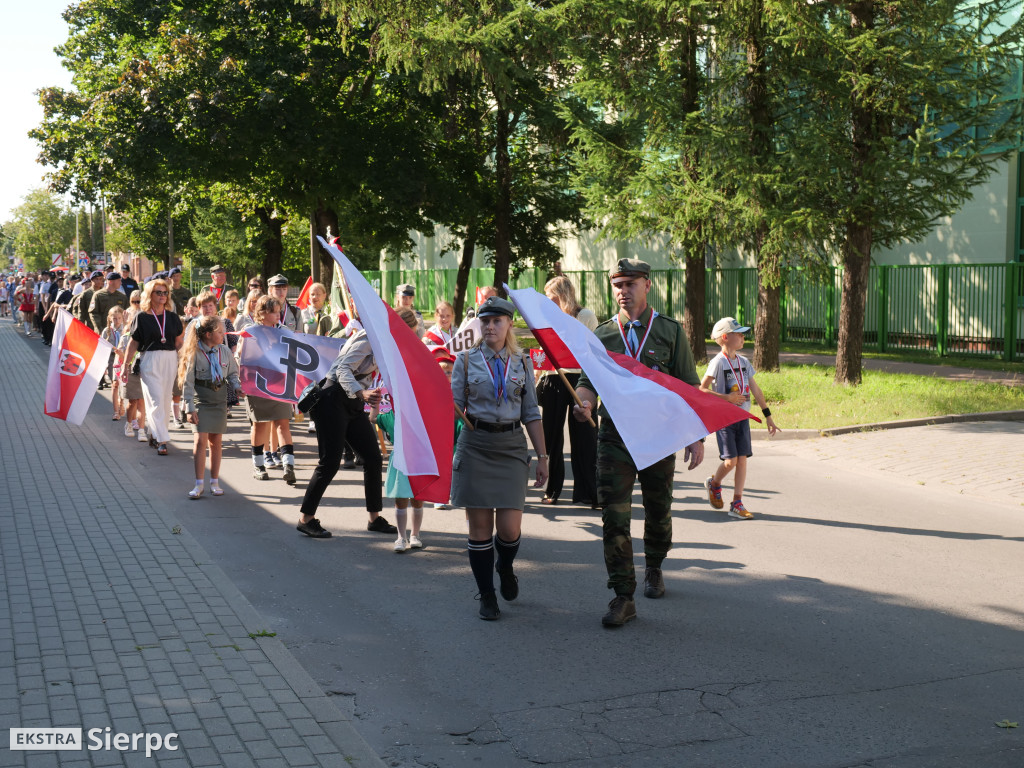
{"points": [[487, 426], [209, 384]]}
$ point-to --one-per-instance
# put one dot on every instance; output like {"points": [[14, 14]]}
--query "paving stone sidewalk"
{"points": [[111, 615]]}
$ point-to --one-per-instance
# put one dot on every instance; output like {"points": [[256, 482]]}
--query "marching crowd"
{"points": [[175, 365]]}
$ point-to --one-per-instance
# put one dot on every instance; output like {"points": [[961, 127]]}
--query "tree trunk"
{"points": [[326, 218], [694, 310], [503, 211], [856, 248], [462, 278], [273, 247], [856, 267], [767, 328]]}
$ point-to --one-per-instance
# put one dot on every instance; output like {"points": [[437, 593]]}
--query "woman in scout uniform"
{"points": [[206, 371], [493, 384], [158, 333]]}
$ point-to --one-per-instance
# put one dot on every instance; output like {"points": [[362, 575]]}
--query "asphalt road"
{"points": [[866, 617]]}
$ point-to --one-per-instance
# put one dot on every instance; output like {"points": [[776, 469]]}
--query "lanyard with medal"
{"points": [[162, 325], [737, 374], [498, 381], [635, 354]]}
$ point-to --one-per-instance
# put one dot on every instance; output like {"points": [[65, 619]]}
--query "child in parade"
{"points": [[206, 371], [730, 376], [112, 332]]}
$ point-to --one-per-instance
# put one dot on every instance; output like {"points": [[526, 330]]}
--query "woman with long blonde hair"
{"points": [[158, 334]]}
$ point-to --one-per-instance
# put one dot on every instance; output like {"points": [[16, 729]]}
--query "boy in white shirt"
{"points": [[731, 377]]}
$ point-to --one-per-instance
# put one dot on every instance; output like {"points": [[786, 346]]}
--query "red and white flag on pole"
{"points": [[634, 395], [420, 392], [303, 301], [78, 358]]}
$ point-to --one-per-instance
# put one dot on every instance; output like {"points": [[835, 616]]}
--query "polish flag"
{"points": [[78, 358], [634, 395], [421, 394], [303, 301]]}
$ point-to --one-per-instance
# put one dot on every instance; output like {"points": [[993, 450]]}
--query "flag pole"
{"points": [[572, 391]]}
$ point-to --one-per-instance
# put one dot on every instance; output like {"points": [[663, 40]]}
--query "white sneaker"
{"points": [[311, 429], [142, 436], [400, 545], [128, 431], [415, 543]]}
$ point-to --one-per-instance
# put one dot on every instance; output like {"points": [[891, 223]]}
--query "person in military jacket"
{"points": [[179, 293], [84, 300], [659, 343], [105, 300]]}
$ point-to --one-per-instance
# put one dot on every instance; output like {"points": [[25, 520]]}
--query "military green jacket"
{"points": [[180, 296], [81, 311], [665, 349], [101, 304]]}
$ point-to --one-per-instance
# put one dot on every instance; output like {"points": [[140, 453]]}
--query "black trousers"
{"points": [[555, 402], [340, 418]]}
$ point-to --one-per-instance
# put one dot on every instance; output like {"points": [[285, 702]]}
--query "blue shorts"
{"points": [[734, 440]]}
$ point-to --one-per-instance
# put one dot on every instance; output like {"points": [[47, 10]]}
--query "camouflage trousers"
{"points": [[616, 474]]}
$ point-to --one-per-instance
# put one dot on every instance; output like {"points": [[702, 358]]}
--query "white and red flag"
{"points": [[304, 301], [278, 363], [634, 394], [78, 358], [420, 392]]}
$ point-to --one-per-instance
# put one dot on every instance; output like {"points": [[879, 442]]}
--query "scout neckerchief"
{"points": [[499, 377], [634, 347], [162, 325], [737, 372], [216, 366]]}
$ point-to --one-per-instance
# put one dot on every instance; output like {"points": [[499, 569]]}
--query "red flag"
{"points": [[303, 301], [422, 396], [78, 358], [626, 385]]}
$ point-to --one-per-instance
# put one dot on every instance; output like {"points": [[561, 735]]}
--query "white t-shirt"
{"points": [[731, 376]]}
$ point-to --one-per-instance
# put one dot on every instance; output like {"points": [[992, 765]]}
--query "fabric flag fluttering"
{"points": [[78, 358], [303, 301], [420, 392], [278, 363], [632, 392]]}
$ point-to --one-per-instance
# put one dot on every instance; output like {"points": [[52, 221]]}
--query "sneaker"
{"points": [[313, 529], [415, 543], [311, 429], [260, 473], [736, 509], [654, 583], [401, 545], [278, 463], [442, 506], [380, 525], [182, 424], [289, 474], [489, 610], [620, 610], [269, 460], [142, 436], [128, 431], [714, 493], [509, 584], [349, 464]]}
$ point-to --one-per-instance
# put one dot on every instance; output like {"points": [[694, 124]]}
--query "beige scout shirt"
{"points": [[354, 367], [199, 369], [521, 404]]}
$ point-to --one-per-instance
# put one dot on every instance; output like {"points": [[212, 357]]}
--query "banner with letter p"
{"points": [[278, 363]]}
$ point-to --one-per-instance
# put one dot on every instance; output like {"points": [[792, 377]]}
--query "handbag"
{"points": [[310, 396]]}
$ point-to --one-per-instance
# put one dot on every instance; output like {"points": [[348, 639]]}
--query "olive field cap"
{"points": [[217, 268], [405, 289], [277, 280], [630, 268], [495, 305], [727, 325]]}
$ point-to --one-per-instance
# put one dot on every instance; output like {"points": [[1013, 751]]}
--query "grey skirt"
{"points": [[132, 387], [212, 408], [490, 470], [265, 409]]}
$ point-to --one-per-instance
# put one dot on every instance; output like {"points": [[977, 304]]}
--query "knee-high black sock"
{"points": [[481, 560], [507, 551]]}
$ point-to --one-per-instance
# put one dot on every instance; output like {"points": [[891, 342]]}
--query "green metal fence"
{"points": [[974, 309]]}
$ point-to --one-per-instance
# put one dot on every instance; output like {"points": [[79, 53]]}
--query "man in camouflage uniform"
{"points": [[659, 343], [104, 300], [84, 300], [179, 294]]}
